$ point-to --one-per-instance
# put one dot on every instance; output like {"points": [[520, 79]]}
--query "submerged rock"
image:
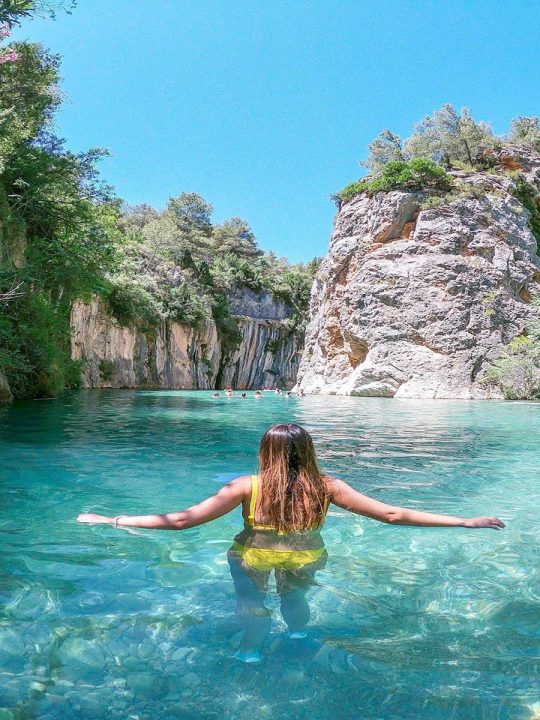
{"points": [[83, 660], [415, 302], [147, 684]]}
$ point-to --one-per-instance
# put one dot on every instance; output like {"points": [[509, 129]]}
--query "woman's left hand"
{"points": [[93, 518]]}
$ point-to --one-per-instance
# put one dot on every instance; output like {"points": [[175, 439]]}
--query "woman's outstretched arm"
{"points": [[346, 497], [229, 497]]}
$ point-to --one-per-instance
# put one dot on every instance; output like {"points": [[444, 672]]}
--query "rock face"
{"points": [[180, 357], [262, 306], [417, 303]]}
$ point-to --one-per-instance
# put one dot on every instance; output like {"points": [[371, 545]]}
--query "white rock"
{"points": [[180, 357], [418, 304]]}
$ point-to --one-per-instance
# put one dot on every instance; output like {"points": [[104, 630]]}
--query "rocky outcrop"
{"points": [[263, 305], [415, 302], [181, 357]]}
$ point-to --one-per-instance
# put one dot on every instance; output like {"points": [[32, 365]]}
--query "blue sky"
{"points": [[265, 107]]}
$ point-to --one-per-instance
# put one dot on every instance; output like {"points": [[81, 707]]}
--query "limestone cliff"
{"points": [[413, 302], [181, 357]]}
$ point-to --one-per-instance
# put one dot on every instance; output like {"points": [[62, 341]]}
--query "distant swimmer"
{"points": [[258, 395], [244, 395], [300, 393], [289, 393], [215, 395], [229, 393], [277, 391]]}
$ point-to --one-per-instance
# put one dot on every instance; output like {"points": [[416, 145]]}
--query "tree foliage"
{"points": [[447, 139], [12, 12], [235, 236], [58, 227], [517, 371], [185, 268], [387, 147], [526, 131]]}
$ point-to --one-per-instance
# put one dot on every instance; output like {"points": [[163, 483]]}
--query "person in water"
{"points": [[284, 507], [258, 395]]}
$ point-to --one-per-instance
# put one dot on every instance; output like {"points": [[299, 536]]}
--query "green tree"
{"points": [[235, 236], [526, 131], [190, 215], [58, 227], [384, 149], [448, 136], [12, 12], [28, 97]]}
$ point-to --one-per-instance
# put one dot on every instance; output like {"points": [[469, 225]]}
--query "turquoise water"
{"points": [[406, 622]]}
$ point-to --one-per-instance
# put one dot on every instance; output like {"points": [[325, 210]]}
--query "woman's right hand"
{"points": [[484, 522]]}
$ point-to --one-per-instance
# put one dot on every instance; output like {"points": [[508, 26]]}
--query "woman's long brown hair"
{"points": [[293, 491]]}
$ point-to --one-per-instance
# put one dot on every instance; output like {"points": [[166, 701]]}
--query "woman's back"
{"points": [[259, 534], [254, 517]]}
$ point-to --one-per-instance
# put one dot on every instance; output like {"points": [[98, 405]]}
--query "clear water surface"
{"points": [[406, 622]]}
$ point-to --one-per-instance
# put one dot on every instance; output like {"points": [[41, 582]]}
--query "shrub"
{"points": [[528, 196], [273, 345], [517, 371], [434, 201], [460, 191], [415, 174], [35, 349], [107, 369], [185, 305], [131, 304]]}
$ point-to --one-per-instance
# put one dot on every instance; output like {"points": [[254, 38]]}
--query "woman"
{"points": [[284, 508]]}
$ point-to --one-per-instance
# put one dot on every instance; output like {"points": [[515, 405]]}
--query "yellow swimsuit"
{"points": [[248, 543]]}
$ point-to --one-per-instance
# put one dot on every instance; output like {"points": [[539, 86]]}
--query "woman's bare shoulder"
{"points": [[242, 482], [333, 484]]}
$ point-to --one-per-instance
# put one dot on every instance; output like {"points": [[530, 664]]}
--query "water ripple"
{"points": [[406, 622]]}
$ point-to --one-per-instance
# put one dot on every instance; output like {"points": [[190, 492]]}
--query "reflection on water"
{"points": [[406, 623]]}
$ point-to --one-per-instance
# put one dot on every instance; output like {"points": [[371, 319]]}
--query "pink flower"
{"points": [[4, 31], [10, 56]]}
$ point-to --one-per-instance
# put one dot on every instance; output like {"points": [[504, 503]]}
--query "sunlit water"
{"points": [[406, 622]]}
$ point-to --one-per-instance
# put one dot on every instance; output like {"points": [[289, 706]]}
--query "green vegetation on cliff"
{"points": [[64, 236], [443, 141], [57, 227], [416, 174], [176, 265], [517, 371]]}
